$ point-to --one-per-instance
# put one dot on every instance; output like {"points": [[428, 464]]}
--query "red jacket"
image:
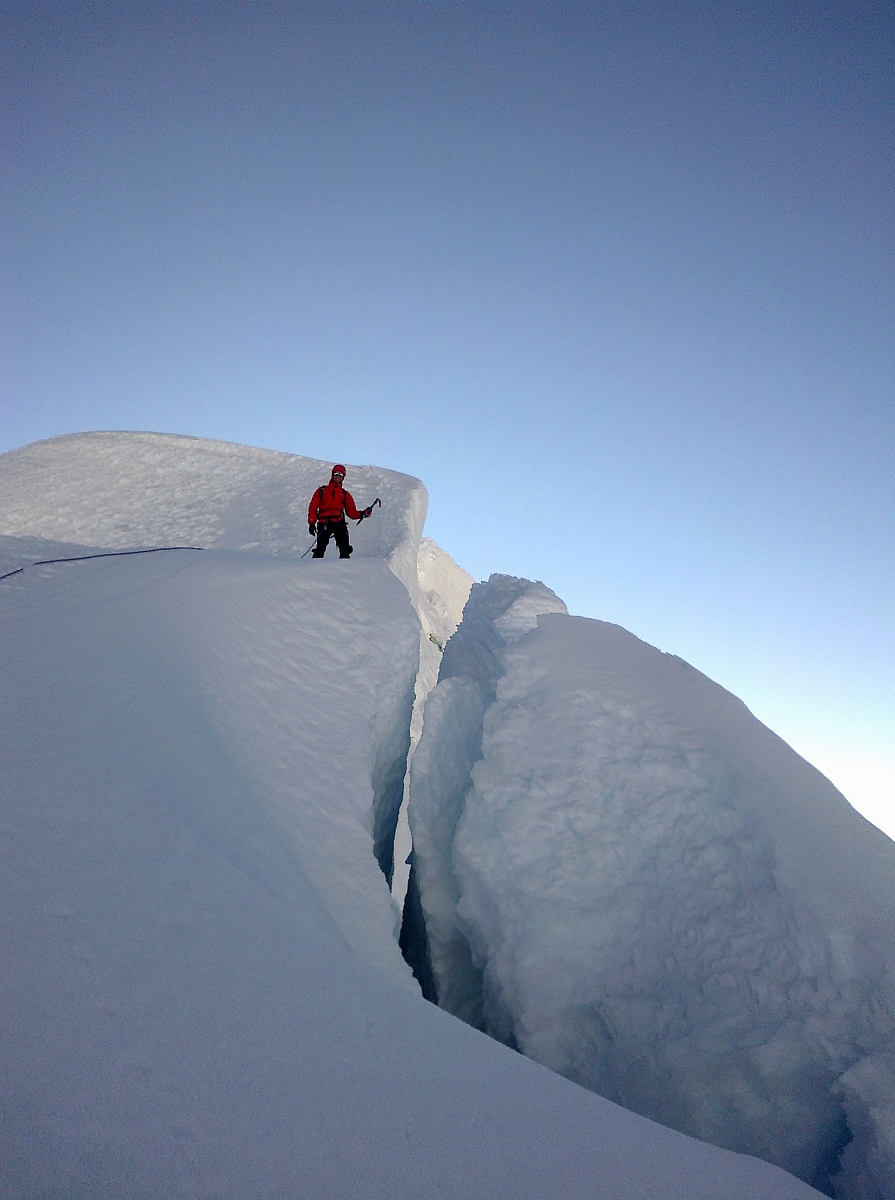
{"points": [[330, 503]]}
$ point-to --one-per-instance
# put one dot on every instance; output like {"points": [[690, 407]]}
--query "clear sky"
{"points": [[615, 279]]}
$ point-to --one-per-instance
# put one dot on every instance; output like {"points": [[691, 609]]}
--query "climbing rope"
{"points": [[46, 562]]}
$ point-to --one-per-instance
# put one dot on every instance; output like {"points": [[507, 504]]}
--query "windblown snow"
{"points": [[203, 765]]}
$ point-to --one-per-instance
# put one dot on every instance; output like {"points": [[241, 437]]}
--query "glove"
{"points": [[368, 512], [312, 529]]}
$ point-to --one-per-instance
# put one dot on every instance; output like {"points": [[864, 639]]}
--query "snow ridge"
{"points": [[115, 491]]}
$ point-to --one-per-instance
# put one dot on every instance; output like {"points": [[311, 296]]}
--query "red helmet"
{"points": [[338, 469]]}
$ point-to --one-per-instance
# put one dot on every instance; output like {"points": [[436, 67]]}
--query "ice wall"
{"points": [[443, 591], [451, 743], [626, 876]]}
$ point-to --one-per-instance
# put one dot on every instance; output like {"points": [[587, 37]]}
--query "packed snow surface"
{"points": [[202, 995], [124, 490], [630, 879]]}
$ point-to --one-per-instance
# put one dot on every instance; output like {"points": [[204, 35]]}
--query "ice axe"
{"points": [[364, 514]]}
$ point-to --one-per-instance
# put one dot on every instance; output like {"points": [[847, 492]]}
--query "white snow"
{"points": [[440, 774], [202, 996], [522, 615], [628, 877], [303, 676], [162, 489]]}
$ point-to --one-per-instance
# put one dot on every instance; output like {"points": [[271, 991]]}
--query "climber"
{"points": [[329, 506]]}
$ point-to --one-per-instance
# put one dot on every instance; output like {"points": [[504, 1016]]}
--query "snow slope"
{"points": [[629, 878], [201, 992]]}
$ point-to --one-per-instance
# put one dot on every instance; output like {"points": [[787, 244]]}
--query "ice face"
{"points": [[451, 744], [627, 877], [443, 592]]}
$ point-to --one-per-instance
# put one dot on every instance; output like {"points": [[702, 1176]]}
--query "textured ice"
{"points": [[627, 877], [452, 742], [443, 592], [201, 992], [868, 1094]]}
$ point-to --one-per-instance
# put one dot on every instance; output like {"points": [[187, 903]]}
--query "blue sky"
{"points": [[614, 279]]}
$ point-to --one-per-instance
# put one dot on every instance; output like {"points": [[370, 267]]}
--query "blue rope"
{"points": [[46, 562]]}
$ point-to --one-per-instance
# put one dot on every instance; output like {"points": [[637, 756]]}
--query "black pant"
{"points": [[328, 529]]}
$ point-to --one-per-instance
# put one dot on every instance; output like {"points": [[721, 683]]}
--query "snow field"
{"points": [[202, 997], [303, 674]]}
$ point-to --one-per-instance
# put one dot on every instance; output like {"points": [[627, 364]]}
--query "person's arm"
{"points": [[312, 511], [350, 508]]}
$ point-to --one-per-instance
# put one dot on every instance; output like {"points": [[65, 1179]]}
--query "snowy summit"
{"points": [[208, 986]]}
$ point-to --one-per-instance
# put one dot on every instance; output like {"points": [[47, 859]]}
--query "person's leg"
{"points": [[340, 529], [324, 533]]}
